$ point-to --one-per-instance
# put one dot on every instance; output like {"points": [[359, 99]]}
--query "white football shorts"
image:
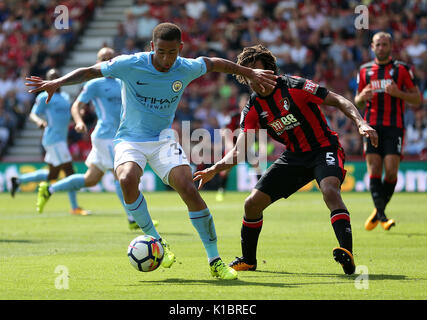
{"points": [[101, 155], [162, 156], [57, 154]]}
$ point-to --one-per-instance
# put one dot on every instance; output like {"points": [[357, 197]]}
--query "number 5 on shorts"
{"points": [[330, 159]]}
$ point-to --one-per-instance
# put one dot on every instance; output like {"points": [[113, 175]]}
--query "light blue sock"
{"points": [[35, 176], [72, 195], [140, 213], [122, 201], [203, 222], [71, 183]]}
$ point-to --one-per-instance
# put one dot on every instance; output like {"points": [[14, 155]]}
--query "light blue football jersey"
{"points": [[105, 94], [149, 97], [57, 114]]}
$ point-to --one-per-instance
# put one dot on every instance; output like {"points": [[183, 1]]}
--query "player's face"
{"points": [[382, 48], [165, 53], [257, 65]]}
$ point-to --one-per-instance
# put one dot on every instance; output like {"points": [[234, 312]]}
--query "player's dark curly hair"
{"points": [[250, 55], [167, 31]]}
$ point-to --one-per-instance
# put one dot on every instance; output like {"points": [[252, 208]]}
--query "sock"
{"points": [[251, 228], [73, 182], [122, 201], [72, 195], [203, 222], [388, 187], [340, 220], [377, 193], [140, 213], [35, 176]]}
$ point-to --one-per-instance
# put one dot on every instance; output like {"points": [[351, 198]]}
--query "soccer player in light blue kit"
{"points": [[105, 94], [54, 119], [152, 85]]}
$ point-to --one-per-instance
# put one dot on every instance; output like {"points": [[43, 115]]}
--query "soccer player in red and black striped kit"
{"points": [[290, 113], [230, 139], [385, 85]]}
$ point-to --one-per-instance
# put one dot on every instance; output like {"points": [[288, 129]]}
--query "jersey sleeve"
{"points": [[408, 77], [197, 67], [117, 67], [88, 92], [40, 105], [313, 92], [249, 118], [361, 80]]}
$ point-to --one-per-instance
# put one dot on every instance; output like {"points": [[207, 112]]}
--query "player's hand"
{"points": [[366, 93], [392, 89], [367, 131], [264, 79], [80, 127], [42, 85], [42, 124], [204, 176]]}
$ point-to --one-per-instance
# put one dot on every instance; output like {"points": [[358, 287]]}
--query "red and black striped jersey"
{"points": [[291, 115], [384, 109], [234, 122]]}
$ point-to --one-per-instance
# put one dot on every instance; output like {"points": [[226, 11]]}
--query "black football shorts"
{"points": [[293, 170], [390, 141]]}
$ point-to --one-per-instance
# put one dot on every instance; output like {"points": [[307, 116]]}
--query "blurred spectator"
{"points": [[416, 134], [298, 52], [270, 34], [119, 39], [195, 8], [250, 8], [131, 25], [130, 47], [145, 26], [416, 50]]}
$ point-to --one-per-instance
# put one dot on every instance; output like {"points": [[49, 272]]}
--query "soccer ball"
{"points": [[145, 253]]}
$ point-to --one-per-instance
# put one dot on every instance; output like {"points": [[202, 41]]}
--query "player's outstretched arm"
{"points": [[265, 79], [351, 112], [229, 161], [77, 76]]}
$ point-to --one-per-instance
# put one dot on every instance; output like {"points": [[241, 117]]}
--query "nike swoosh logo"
{"points": [[141, 83]]}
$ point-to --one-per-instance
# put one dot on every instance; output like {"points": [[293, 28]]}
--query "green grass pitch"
{"points": [[59, 256]]}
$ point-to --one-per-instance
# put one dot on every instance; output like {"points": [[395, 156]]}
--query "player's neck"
{"points": [[385, 61], [265, 94]]}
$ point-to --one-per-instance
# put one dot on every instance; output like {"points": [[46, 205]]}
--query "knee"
{"points": [[251, 208], [188, 190], [390, 176], [331, 193], [89, 182], [128, 180]]}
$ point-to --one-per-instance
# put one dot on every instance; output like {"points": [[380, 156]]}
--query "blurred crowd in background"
{"points": [[315, 39]]}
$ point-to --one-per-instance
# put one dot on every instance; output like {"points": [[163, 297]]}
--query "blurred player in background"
{"points": [[384, 86], [230, 140], [291, 115], [152, 86], [105, 94], [58, 157]]}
